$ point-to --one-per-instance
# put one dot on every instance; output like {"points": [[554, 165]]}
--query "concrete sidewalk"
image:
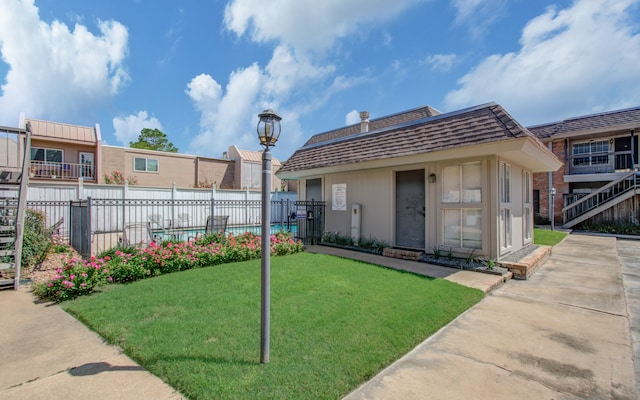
{"points": [[47, 354], [563, 334]]}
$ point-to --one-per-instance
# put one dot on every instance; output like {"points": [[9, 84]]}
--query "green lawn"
{"points": [[335, 323], [547, 237]]}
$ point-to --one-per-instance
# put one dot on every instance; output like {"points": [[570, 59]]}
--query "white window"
{"points": [[47, 156], [145, 164], [462, 183], [505, 228], [527, 206], [591, 153], [462, 198], [504, 177], [505, 183]]}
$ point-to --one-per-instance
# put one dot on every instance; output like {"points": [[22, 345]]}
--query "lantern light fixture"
{"points": [[268, 128]]}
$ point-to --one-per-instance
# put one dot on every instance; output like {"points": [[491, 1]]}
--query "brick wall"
{"points": [[541, 183]]}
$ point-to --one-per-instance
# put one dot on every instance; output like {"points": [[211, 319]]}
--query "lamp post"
{"points": [[553, 208], [268, 132]]}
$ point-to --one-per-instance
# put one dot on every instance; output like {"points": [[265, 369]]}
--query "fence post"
{"points": [[124, 210], [173, 203], [80, 194], [88, 237]]}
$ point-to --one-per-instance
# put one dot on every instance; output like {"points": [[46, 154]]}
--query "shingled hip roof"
{"points": [[482, 124], [611, 120]]}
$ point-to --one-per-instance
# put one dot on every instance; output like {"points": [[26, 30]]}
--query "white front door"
{"points": [[86, 162]]}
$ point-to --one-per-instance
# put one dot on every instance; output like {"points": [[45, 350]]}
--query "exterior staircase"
{"points": [[604, 198], [15, 150]]}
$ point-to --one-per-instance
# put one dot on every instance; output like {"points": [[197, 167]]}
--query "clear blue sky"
{"points": [[201, 70]]}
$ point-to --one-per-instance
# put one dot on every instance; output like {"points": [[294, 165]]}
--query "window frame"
{"points": [[506, 207], [47, 149], [592, 154], [527, 205], [464, 197], [146, 164]]}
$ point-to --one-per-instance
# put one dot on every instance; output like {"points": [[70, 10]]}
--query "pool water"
{"points": [[187, 234]]}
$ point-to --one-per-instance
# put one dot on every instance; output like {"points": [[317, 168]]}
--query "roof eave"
{"points": [[589, 132], [524, 151]]}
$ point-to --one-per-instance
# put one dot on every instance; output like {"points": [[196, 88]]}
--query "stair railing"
{"points": [[22, 205], [601, 196]]}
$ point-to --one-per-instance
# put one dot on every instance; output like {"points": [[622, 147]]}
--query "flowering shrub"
{"points": [[59, 244], [76, 278], [282, 244], [117, 178], [122, 265]]}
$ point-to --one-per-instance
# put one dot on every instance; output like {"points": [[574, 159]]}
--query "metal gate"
{"points": [[80, 226], [310, 218]]}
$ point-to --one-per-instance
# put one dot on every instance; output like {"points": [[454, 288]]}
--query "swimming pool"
{"points": [[187, 234]]}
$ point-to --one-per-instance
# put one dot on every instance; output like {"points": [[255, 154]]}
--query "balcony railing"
{"points": [[599, 163], [53, 170]]}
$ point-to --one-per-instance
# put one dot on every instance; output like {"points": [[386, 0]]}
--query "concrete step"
{"points": [[6, 265], [6, 283]]}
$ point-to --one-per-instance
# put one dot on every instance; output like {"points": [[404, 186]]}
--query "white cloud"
{"points": [[580, 59], [56, 72], [301, 31], [441, 62], [478, 15], [308, 24], [287, 71], [224, 116], [352, 118], [127, 128]]}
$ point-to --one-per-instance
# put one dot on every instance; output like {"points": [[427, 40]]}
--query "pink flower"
{"points": [[83, 284]]}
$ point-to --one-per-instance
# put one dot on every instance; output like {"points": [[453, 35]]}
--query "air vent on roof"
{"points": [[364, 121]]}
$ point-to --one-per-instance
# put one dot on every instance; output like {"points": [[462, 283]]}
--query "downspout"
{"points": [[550, 185], [633, 149], [97, 167], [197, 182]]}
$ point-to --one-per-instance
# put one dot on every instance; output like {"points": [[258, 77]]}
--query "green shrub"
{"points": [[612, 227], [36, 240]]}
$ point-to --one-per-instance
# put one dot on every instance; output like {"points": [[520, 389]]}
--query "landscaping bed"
{"points": [[462, 264]]}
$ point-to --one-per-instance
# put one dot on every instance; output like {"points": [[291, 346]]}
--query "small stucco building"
{"points": [[421, 180]]}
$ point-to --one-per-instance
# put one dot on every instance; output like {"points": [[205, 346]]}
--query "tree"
{"points": [[153, 139]]}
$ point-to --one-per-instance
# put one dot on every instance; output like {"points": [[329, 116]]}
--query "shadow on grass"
{"points": [[99, 367]]}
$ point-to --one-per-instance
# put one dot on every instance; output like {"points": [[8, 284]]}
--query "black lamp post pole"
{"points": [[266, 255]]}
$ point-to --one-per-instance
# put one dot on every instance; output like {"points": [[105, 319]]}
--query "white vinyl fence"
{"points": [[55, 199]]}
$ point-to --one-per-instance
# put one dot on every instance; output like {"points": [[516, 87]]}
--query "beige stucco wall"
{"points": [[219, 172], [112, 160], [374, 189], [183, 169]]}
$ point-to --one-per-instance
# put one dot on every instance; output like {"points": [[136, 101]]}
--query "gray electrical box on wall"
{"points": [[356, 213]]}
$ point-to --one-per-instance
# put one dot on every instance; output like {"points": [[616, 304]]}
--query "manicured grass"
{"points": [[335, 323], [547, 237]]}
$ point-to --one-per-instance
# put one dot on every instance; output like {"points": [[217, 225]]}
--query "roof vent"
{"points": [[364, 121]]}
